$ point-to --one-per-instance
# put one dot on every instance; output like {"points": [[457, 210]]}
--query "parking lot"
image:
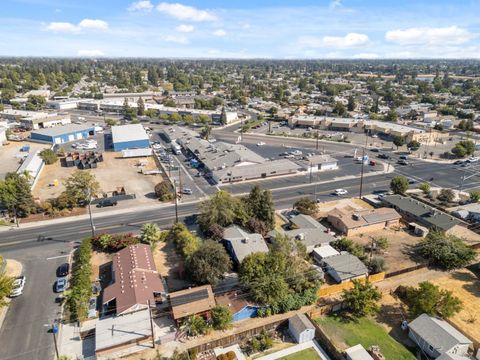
{"points": [[11, 155]]}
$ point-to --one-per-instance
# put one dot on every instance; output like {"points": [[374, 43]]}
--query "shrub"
{"points": [[475, 196], [399, 185], [49, 156], [115, 242], [164, 191], [425, 188], [305, 206], [376, 265], [446, 195]]}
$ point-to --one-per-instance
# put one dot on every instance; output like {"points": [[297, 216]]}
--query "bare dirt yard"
{"points": [[10, 155], [113, 173], [170, 266], [400, 251], [324, 208], [465, 285]]}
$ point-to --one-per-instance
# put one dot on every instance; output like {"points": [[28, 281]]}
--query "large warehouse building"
{"points": [[132, 136], [63, 134]]}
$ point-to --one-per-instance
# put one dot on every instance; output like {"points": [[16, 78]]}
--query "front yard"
{"points": [[347, 333]]}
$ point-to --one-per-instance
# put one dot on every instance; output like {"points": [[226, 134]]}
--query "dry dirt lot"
{"points": [[9, 162], [351, 203], [399, 253], [465, 285], [112, 173], [170, 266]]}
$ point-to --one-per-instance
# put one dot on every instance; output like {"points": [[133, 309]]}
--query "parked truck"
{"points": [[176, 149]]}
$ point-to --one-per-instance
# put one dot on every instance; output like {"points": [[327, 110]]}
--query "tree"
{"points": [[80, 187], [464, 148], [221, 318], [398, 141], [140, 107], [399, 185], [430, 299], [222, 209], [413, 145], [305, 206], [164, 191], [339, 109], [425, 188], [111, 122], [16, 195], [260, 205], [474, 196], [350, 246], [392, 116], [446, 251], [257, 226], [216, 232], [446, 195], [206, 131], [362, 299], [6, 284], [186, 242], [194, 325], [150, 234], [223, 116], [351, 103], [49, 156], [208, 263]]}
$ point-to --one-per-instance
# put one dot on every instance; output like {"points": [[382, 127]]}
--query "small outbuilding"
{"points": [[132, 136], [301, 328], [345, 267], [357, 352], [63, 134]]}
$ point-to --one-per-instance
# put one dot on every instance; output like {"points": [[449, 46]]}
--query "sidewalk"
{"points": [[13, 269]]}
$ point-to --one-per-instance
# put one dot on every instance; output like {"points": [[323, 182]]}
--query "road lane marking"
{"points": [[57, 257]]}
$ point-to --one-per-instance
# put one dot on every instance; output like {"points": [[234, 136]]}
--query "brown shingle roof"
{"points": [[136, 278], [192, 301]]}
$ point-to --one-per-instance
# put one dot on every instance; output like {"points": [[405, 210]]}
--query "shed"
{"points": [[132, 136], [323, 252], [357, 352], [63, 134], [301, 328]]}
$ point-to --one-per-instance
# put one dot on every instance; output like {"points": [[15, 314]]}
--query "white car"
{"points": [[18, 285], [261, 143], [341, 192]]}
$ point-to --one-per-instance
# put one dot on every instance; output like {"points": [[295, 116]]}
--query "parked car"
{"points": [[106, 202], [373, 163], [261, 143], [412, 181], [403, 157], [375, 150], [458, 162], [17, 287], [61, 285], [63, 270], [383, 156], [402, 162], [187, 191], [339, 192]]}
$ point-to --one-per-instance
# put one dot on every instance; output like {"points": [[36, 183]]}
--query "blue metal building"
{"points": [[132, 136], [63, 134]]}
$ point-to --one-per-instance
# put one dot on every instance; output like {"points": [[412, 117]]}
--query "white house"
{"points": [[301, 328]]}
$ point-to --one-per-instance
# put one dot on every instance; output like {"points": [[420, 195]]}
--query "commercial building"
{"points": [[51, 120], [193, 301], [240, 243], [63, 134], [131, 136], [345, 267], [136, 282], [301, 329], [438, 339], [17, 115], [322, 163], [353, 222], [63, 104], [33, 166]]}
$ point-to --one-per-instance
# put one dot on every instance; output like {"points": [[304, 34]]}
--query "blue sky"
{"points": [[241, 29]]}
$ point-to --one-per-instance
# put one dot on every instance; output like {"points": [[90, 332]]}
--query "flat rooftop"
{"points": [[131, 132], [63, 129]]}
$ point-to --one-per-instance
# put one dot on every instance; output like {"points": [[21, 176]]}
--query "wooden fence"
{"points": [[337, 288]]}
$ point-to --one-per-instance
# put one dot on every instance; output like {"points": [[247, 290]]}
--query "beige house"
{"points": [[354, 222]]}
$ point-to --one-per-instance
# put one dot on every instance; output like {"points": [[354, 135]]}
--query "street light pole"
{"points": [[176, 200], [89, 195], [363, 165]]}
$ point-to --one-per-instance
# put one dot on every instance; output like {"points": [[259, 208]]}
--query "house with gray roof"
{"points": [[307, 230], [438, 339], [423, 214], [345, 267], [240, 243]]}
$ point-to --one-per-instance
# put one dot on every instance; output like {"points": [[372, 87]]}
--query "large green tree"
{"points": [[362, 299], [260, 205], [6, 283], [80, 186], [399, 185], [221, 317], [430, 299], [305, 206], [186, 242], [151, 234], [16, 196], [222, 209], [209, 263]]}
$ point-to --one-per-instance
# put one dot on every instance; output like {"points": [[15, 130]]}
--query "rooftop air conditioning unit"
{"points": [[356, 216]]}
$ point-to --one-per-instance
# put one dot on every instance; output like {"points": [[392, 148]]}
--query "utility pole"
{"points": [[311, 170], [54, 333], [151, 324], [176, 200], [363, 165], [89, 194], [316, 144]]}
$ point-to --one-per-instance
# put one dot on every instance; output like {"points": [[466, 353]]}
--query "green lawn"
{"points": [[307, 354], [366, 332]]}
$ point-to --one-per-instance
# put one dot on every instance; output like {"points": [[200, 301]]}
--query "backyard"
{"points": [[307, 354], [346, 333]]}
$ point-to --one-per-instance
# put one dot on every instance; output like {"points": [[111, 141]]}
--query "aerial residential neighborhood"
{"points": [[239, 180]]}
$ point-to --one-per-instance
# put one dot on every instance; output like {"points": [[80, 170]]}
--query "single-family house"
{"points": [[345, 267], [301, 328], [238, 304], [438, 339], [240, 243], [193, 301]]}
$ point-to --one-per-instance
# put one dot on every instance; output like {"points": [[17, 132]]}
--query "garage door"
{"points": [[79, 136], [58, 140], [71, 137]]}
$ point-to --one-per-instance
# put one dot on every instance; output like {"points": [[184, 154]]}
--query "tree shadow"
{"points": [[471, 282]]}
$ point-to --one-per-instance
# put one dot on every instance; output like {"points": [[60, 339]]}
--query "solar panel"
{"points": [[188, 298]]}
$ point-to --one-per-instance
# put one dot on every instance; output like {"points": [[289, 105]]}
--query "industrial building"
{"points": [[63, 134], [132, 136], [34, 120], [33, 166], [3, 135]]}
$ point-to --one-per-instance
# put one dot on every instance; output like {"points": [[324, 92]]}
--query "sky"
{"points": [[279, 29]]}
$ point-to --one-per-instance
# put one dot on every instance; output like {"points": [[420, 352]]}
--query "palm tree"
{"points": [[206, 131], [194, 325]]}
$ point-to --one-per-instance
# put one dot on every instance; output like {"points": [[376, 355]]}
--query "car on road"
{"points": [[339, 192], [63, 270], [412, 181], [373, 163], [187, 191], [403, 157], [458, 162], [375, 150], [296, 153], [17, 286], [402, 162], [472, 160], [261, 143], [106, 202], [61, 285], [383, 156]]}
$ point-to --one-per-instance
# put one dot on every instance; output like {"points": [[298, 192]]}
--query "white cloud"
{"points": [[90, 53], [366, 56], [349, 40], [184, 12], [430, 36], [92, 24], [177, 39], [64, 27], [184, 28], [219, 32], [335, 4], [144, 5], [85, 24]]}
